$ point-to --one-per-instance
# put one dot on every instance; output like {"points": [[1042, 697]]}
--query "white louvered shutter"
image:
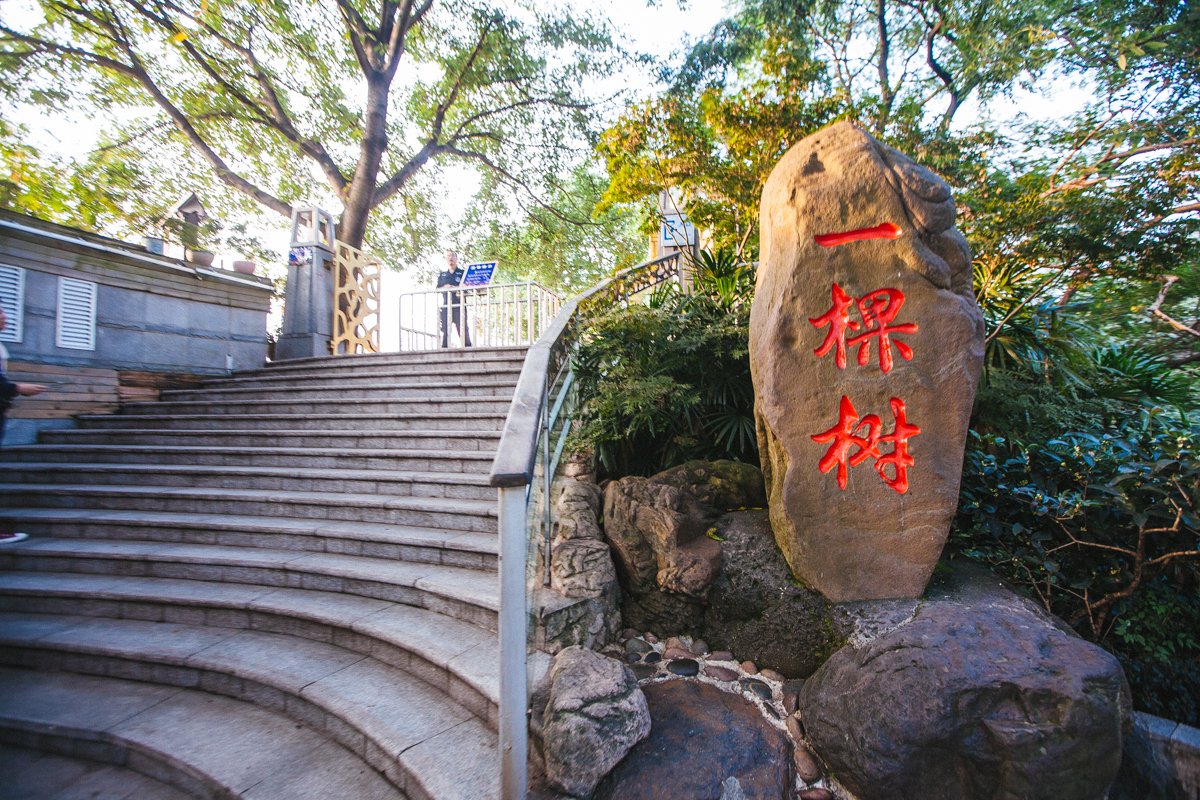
{"points": [[12, 301], [76, 328]]}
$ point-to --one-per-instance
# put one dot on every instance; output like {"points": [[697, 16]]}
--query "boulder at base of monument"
{"points": [[588, 711], [657, 526], [973, 695], [866, 347], [706, 744]]}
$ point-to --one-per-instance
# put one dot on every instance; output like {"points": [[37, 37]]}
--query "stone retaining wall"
{"points": [[1165, 760]]}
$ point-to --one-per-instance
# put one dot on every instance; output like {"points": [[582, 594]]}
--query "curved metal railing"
{"points": [[524, 471]]}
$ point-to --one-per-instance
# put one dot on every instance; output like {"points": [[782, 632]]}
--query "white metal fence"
{"points": [[483, 316]]}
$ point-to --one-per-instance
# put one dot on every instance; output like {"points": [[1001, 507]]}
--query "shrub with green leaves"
{"points": [[1101, 527], [667, 380]]}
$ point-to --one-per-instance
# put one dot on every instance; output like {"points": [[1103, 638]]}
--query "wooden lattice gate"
{"points": [[355, 301]]}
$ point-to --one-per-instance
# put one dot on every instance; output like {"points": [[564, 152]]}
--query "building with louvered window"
{"points": [[103, 321]]}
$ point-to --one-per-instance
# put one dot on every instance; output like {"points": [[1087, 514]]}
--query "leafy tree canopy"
{"points": [[289, 100], [567, 245]]}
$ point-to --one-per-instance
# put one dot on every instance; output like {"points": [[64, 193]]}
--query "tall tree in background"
{"points": [[363, 93]]}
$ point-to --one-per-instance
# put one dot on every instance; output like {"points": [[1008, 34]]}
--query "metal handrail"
{"points": [[513, 475], [513, 465], [494, 315]]}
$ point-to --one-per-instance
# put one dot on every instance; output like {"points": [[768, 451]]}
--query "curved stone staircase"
{"points": [[279, 585]]}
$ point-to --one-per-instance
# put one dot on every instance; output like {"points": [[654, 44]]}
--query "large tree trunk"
{"points": [[352, 228], [885, 85]]}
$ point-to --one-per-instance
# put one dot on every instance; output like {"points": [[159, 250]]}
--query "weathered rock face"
{"points": [[755, 611], [978, 695], [581, 567], [656, 525], [865, 357], [752, 606], [588, 711], [701, 739]]}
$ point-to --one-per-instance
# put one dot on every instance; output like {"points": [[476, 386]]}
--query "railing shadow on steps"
{"points": [[526, 471]]}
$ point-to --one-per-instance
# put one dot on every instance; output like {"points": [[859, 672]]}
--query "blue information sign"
{"points": [[479, 274]]}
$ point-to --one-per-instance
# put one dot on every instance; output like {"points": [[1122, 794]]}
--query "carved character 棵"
{"points": [[878, 309]]}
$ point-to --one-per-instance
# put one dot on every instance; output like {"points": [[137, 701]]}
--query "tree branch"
{"points": [[945, 77], [1084, 180], [1155, 308], [393, 184]]}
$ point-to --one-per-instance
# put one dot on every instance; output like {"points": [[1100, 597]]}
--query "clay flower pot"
{"points": [[244, 267], [201, 257]]}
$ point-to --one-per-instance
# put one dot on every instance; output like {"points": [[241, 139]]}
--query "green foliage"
{"points": [[1154, 636], [668, 381], [343, 102], [720, 150], [1080, 481], [568, 245], [1094, 510]]}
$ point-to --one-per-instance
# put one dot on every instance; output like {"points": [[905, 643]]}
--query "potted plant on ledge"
{"points": [[188, 220]]}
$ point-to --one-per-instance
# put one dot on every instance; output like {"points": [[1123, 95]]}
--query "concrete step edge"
{"points": [[108, 748], [363, 625], [466, 369], [376, 536], [411, 764], [348, 432], [358, 359], [322, 402], [365, 576], [329, 499], [392, 476], [397, 415], [479, 455], [341, 386]]}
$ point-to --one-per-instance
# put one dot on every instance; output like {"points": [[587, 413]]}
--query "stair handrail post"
{"points": [[528, 429]]}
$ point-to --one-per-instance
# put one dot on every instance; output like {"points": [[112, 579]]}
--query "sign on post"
{"points": [[676, 231], [479, 274]]}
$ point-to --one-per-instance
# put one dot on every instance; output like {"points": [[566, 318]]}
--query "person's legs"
{"points": [[444, 326], [7, 537], [460, 322]]}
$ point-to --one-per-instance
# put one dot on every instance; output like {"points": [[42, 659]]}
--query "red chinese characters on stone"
{"points": [[863, 433], [878, 310]]}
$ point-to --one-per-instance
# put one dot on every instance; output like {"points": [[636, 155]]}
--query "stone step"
{"points": [[359, 361], [463, 594], [430, 512], [32, 774], [455, 657], [414, 374], [465, 461], [397, 542], [396, 483], [346, 406], [201, 745], [427, 745], [251, 438], [295, 422], [370, 390]]}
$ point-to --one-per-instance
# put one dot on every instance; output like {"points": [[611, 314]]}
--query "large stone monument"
{"points": [[866, 347]]}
